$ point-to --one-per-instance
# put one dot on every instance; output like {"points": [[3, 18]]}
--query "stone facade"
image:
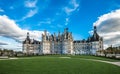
{"points": [[89, 46], [31, 46], [63, 44]]}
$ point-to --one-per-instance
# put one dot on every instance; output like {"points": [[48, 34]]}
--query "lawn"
{"points": [[96, 58], [56, 65]]}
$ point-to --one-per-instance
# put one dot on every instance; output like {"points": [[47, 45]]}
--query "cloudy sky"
{"points": [[17, 17]]}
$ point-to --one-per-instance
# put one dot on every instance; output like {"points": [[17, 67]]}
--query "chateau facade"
{"points": [[63, 44]]}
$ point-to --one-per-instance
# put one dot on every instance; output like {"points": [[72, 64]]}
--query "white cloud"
{"points": [[3, 43], [33, 9], [30, 14], [30, 3], [9, 29], [45, 22], [70, 8], [73, 5], [109, 28], [1, 10], [11, 44]]}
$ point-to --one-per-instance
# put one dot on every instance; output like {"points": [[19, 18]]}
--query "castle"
{"points": [[63, 44]]}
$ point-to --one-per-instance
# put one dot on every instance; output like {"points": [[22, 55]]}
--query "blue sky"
{"points": [[20, 16]]}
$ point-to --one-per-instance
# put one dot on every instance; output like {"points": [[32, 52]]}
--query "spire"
{"points": [[44, 36], [45, 32], [27, 40], [66, 30], [28, 35], [58, 33], [59, 36], [95, 29], [71, 35], [95, 33], [95, 36], [54, 36]]}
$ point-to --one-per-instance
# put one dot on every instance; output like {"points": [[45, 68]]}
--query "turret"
{"points": [[95, 36], [44, 36], [54, 37], [28, 38], [65, 33], [59, 37], [65, 30], [95, 29], [71, 38], [45, 32]]}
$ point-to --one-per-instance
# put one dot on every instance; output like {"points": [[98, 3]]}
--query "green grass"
{"points": [[56, 65], [96, 58], [79, 56]]}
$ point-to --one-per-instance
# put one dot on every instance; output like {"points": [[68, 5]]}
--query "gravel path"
{"points": [[115, 63]]}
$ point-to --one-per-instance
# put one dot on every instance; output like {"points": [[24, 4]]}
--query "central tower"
{"points": [[67, 42]]}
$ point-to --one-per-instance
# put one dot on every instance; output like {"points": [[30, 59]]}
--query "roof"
{"points": [[79, 41], [95, 36]]}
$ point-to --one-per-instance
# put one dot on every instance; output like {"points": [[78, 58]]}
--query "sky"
{"points": [[17, 17]]}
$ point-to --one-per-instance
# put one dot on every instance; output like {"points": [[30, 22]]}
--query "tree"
{"points": [[0, 52]]}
